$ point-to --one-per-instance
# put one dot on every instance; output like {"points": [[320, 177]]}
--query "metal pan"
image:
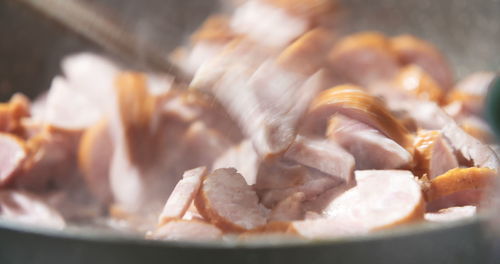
{"points": [[30, 51]]}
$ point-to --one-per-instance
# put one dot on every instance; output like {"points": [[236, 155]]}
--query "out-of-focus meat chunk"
{"points": [[381, 199], [460, 179], [12, 112], [281, 174], [478, 128], [183, 195], [370, 148], [451, 214], [94, 158], [412, 50], [289, 209], [356, 104], [433, 154], [13, 152], [364, 59], [227, 201], [323, 155], [243, 158], [27, 209], [186, 230], [417, 82]]}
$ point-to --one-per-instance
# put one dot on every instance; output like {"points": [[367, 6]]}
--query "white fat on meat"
{"points": [[451, 214], [186, 230], [27, 209], [264, 23], [323, 155], [183, 195], [380, 199], [227, 201], [370, 148], [243, 158]]}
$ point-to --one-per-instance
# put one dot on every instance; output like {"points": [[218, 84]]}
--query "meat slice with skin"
{"points": [[12, 113], [416, 81], [227, 201], [323, 155], [475, 197], [94, 158], [186, 230], [451, 214], [282, 174], [370, 148], [289, 209], [28, 209], [412, 50], [381, 199], [13, 152], [183, 195], [243, 158], [353, 102], [433, 154], [364, 58], [460, 179]]}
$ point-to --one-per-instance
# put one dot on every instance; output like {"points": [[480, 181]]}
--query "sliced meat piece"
{"points": [[451, 214], [186, 230], [470, 92], [306, 54], [433, 154], [280, 174], [94, 159], [192, 213], [183, 195], [243, 158], [416, 81], [289, 209], [25, 208], [12, 113], [354, 103], [412, 50], [460, 179], [370, 148], [364, 58], [481, 155], [380, 200], [67, 108], [229, 202], [478, 128], [323, 155], [312, 188], [13, 152], [475, 197], [262, 22]]}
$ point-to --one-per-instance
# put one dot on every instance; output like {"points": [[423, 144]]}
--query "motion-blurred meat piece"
{"points": [[13, 152], [470, 92], [451, 214], [12, 112], [433, 154], [227, 201], [416, 81], [243, 158], [183, 195], [186, 230], [370, 148], [412, 50], [27, 209], [381, 199]]}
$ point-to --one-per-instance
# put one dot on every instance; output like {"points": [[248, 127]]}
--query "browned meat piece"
{"points": [[365, 59], [186, 230], [475, 197], [183, 195], [451, 214], [27, 209], [243, 158], [94, 158], [370, 148], [289, 209], [381, 199], [417, 82], [12, 112], [433, 154], [323, 155], [227, 201], [412, 50], [13, 152], [478, 128], [354, 103]]}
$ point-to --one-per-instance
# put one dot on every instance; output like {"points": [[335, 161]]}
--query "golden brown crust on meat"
{"points": [[306, 8], [460, 179], [11, 114], [424, 143], [416, 215], [369, 39]]}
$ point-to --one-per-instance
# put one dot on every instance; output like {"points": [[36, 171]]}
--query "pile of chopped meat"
{"points": [[286, 130]]}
